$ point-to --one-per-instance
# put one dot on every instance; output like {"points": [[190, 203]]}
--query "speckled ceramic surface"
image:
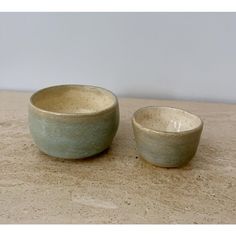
{"points": [[73, 121], [165, 136]]}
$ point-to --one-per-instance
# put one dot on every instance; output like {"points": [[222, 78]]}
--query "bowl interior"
{"points": [[166, 119], [73, 99]]}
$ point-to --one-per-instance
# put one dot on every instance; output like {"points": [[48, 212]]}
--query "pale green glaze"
{"points": [[73, 136], [166, 148]]}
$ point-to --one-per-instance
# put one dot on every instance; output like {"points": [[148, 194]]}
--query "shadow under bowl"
{"points": [[165, 136], [73, 121]]}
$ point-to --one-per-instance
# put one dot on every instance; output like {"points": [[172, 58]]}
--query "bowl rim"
{"points": [[175, 133], [71, 114]]}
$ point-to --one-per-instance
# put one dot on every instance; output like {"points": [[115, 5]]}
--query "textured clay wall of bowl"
{"points": [[165, 136], [73, 121]]}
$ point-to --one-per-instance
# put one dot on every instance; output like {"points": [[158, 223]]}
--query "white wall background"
{"points": [[158, 55]]}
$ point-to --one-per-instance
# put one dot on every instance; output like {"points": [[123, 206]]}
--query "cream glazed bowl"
{"points": [[165, 136], [73, 121]]}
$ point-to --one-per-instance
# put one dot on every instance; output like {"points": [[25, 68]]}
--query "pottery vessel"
{"points": [[166, 137], [73, 121]]}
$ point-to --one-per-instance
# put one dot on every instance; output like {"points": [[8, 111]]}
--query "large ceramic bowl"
{"points": [[73, 121], [165, 136]]}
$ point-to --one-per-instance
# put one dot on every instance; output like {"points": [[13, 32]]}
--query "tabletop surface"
{"points": [[117, 186]]}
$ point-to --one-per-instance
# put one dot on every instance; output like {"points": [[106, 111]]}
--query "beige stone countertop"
{"points": [[117, 186]]}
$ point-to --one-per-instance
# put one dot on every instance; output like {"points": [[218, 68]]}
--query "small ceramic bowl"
{"points": [[166, 136], [73, 121]]}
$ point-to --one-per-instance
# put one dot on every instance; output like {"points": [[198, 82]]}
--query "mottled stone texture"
{"points": [[116, 186]]}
